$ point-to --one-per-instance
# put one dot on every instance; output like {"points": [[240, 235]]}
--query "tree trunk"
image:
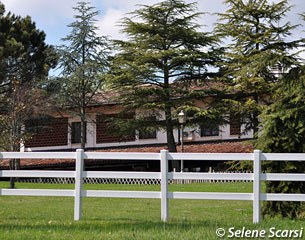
{"points": [[255, 123], [12, 179], [83, 127], [14, 164], [255, 120], [171, 144], [83, 134]]}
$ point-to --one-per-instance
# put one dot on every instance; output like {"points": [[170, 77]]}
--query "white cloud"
{"points": [[113, 11], [53, 16], [50, 16], [46, 11], [108, 24], [127, 6]]}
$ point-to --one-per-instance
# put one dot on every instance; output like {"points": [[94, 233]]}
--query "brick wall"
{"points": [[53, 132], [106, 133]]}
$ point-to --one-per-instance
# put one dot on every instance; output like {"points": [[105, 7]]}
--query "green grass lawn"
{"points": [[111, 218]]}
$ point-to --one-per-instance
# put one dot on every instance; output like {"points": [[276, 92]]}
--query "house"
{"points": [[62, 132]]}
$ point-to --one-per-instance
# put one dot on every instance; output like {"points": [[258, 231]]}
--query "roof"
{"points": [[110, 96], [223, 147]]}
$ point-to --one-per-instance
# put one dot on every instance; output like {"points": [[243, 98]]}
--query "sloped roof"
{"points": [[221, 147], [107, 96]]}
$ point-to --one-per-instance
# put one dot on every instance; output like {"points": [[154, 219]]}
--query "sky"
{"points": [[53, 16]]}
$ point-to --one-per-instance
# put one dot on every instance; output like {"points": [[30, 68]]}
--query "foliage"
{"points": [[157, 68], [283, 130], [25, 60], [24, 55], [25, 103], [257, 54], [82, 63]]}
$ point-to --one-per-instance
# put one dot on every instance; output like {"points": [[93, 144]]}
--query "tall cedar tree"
{"points": [[154, 69], [256, 55], [283, 130], [83, 62], [25, 60]]}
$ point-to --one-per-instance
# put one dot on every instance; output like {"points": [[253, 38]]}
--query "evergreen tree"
{"points": [[283, 130], [155, 68], [83, 61], [257, 54]]}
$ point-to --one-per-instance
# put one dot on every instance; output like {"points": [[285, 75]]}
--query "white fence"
{"points": [[164, 195]]}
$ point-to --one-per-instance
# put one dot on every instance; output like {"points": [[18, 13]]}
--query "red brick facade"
{"points": [[107, 134], [53, 133]]}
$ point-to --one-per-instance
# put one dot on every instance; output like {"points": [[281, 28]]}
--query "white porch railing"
{"points": [[164, 156]]}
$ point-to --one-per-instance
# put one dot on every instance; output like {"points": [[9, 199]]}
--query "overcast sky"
{"points": [[53, 16]]}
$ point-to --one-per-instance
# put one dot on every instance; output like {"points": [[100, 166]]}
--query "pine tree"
{"points": [[257, 54], [283, 130], [83, 61], [165, 53]]}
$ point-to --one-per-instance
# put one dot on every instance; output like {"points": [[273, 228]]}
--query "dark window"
{"points": [[147, 134], [235, 125], [76, 132], [208, 131]]}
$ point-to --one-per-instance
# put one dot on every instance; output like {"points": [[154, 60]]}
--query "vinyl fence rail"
{"points": [[164, 176]]}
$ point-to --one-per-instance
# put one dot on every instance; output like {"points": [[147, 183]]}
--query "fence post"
{"points": [[164, 185], [256, 186], [79, 161]]}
